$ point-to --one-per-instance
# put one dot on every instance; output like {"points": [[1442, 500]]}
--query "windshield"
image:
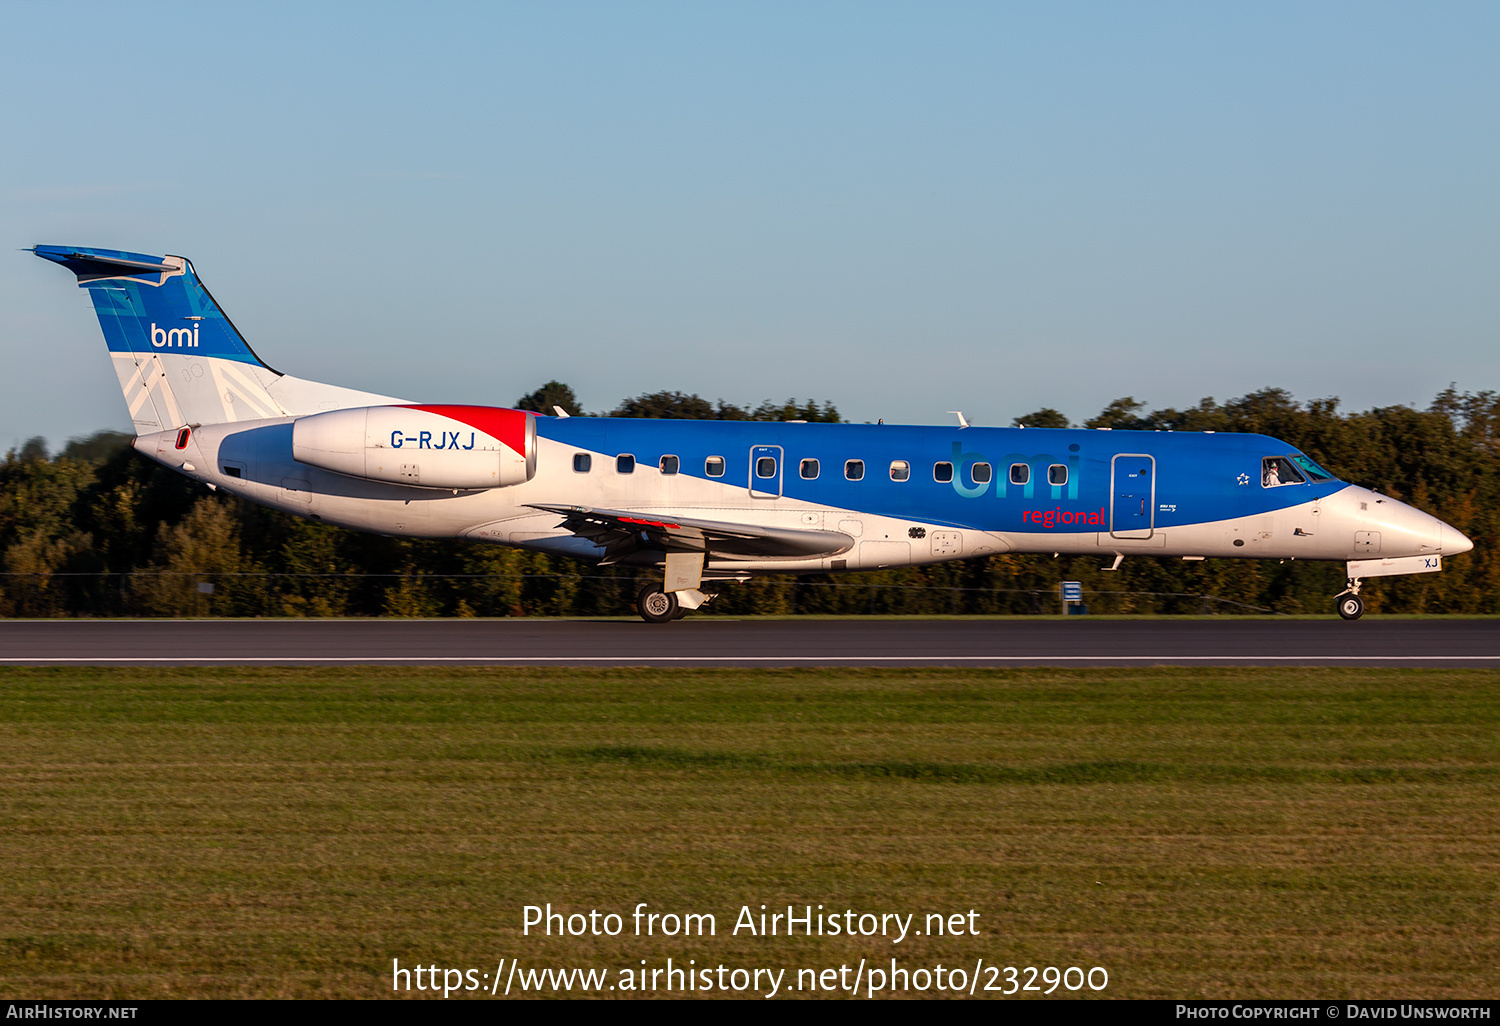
{"points": [[1314, 471]]}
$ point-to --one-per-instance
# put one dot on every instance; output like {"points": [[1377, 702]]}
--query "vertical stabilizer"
{"points": [[179, 359]]}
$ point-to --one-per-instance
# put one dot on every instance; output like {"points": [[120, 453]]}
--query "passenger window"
{"points": [[1057, 474], [1020, 473], [981, 473], [714, 466], [854, 470], [1276, 471], [900, 470], [669, 464], [942, 472], [809, 470], [625, 464], [765, 467], [582, 461]]}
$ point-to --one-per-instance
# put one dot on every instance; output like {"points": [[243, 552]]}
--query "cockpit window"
{"points": [[1276, 471], [1314, 471]]}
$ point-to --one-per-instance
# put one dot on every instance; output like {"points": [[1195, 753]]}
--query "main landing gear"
{"points": [[680, 592], [657, 606], [1351, 606]]}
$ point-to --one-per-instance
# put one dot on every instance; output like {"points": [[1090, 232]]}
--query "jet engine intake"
{"points": [[421, 446]]}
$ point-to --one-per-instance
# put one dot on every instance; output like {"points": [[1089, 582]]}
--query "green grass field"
{"points": [[1198, 833]]}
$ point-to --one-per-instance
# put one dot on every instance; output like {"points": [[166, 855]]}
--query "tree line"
{"points": [[99, 530]]}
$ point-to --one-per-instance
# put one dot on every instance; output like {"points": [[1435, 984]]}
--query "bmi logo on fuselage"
{"points": [[174, 338]]}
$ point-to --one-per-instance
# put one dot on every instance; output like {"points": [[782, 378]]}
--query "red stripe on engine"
{"points": [[509, 426]]}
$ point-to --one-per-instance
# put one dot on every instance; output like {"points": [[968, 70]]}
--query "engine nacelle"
{"points": [[421, 446]]}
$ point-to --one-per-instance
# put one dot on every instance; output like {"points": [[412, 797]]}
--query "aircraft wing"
{"points": [[621, 532]]}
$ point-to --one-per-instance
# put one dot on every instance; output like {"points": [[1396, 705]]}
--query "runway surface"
{"points": [[722, 641]]}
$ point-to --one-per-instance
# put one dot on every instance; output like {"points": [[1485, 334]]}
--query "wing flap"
{"points": [[624, 531]]}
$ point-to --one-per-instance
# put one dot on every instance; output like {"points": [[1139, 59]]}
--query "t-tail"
{"points": [[180, 361]]}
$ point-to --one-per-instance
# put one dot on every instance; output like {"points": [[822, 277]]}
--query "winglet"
{"points": [[963, 421]]}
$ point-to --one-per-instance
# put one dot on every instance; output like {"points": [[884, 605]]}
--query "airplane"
{"points": [[708, 503]]}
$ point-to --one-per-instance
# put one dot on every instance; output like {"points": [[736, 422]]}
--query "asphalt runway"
{"points": [[722, 641]]}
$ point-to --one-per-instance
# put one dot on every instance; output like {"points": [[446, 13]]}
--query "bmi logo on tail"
{"points": [[177, 338]]}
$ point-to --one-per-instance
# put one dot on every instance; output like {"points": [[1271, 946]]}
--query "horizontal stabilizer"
{"points": [[93, 263]]}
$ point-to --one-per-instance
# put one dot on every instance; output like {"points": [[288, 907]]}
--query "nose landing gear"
{"points": [[1351, 606]]}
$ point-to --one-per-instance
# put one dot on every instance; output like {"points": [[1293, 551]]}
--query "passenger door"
{"points": [[1132, 490]]}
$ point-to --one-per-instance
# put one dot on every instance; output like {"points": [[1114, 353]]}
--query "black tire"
{"points": [[655, 605], [1351, 607]]}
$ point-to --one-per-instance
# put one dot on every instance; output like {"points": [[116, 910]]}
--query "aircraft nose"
{"points": [[1455, 541], [1402, 530], [1407, 530]]}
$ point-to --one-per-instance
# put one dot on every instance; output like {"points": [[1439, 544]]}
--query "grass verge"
{"points": [[1215, 833]]}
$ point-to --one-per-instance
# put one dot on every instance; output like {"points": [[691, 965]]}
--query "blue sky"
{"points": [[904, 208]]}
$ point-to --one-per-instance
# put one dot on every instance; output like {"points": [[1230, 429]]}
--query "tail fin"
{"points": [[179, 359]]}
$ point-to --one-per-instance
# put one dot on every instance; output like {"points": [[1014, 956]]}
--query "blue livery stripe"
{"points": [[1165, 479]]}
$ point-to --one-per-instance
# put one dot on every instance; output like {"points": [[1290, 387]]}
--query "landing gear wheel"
{"points": [[1351, 607], [655, 605]]}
